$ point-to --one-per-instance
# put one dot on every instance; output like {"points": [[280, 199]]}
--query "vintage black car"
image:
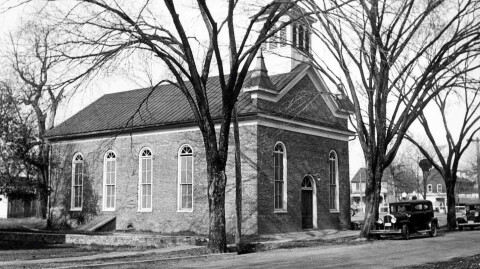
{"points": [[415, 216], [471, 218]]}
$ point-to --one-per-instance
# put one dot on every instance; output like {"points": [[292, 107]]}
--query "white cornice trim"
{"points": [[263, 120], [303, 127], [259, 89]]}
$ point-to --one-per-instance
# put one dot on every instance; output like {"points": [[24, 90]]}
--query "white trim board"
{"points": [[263, 120]]}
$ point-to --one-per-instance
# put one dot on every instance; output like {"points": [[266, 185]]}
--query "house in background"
{"points": [[18, 197], [357, 191], [146, 169], [3, 207], [465, 189]]}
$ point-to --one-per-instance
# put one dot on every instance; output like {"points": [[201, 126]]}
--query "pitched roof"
{"points": [[163, 106], [361, 175]]}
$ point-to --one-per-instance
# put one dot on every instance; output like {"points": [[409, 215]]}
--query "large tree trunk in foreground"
{"points": [[216, 203], [451, 212], [372, 196]]}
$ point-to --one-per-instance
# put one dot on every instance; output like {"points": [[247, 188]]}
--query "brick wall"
{"points": [[164, 216], [306, 155]]}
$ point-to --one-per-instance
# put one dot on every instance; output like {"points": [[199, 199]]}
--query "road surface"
{"points": [[387, 253]]}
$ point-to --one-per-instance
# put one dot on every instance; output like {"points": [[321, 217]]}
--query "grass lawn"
{"points": [[26, 224]]}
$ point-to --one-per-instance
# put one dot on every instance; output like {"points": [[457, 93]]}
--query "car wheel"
{"points": [[460, 228], [433, 230], [472, 227], [405, 232]]}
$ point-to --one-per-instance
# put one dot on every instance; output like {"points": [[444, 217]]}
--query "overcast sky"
{"points": [[117, 82]]}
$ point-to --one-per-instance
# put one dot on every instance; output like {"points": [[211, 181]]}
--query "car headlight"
{"points": [[394, 220], [476, 214], [380, 221]]}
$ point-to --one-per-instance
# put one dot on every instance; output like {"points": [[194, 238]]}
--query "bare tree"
{"points": [[109, 30], [404, 174], [446, 160], [390, 55], [42, 77], [17, 143]]}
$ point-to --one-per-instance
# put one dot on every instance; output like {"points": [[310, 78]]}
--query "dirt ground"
{"points": [[455, 263]]}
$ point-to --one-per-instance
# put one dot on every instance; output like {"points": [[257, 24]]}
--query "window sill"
{"points": [[108, 209], [280, 211], [148, 210], [184, 210], [75, 209], [334, 211]]}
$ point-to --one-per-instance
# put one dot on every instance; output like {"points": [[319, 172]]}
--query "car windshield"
{"points": [[399, 208]]}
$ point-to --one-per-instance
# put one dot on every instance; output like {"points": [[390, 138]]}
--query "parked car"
{"points": [[471, 218], [353, 210], [406, 217]]}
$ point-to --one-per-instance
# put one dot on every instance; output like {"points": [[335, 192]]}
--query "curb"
{"points": [[144, 262]]}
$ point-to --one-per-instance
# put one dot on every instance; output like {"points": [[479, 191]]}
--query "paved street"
{"points": [[378, 254]]}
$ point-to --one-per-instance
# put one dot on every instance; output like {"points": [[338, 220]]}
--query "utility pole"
{"points": [[478, 166]]}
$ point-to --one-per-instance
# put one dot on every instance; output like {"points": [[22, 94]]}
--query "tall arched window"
{"points": [[185, 179], [333, 175], [109, 180], [280, 177], [145, 180], [78, 172]]}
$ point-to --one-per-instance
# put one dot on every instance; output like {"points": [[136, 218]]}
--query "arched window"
{"points": [[78, 172], [280, 177], [429, 188], [333, 176], [109, 180], [185, 179], [439, 188], [145, 180]]}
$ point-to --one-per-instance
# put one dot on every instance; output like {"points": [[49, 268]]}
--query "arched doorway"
{"points": [[309, 203]]}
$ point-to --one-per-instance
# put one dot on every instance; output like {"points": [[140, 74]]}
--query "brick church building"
{"points": [[138, 156]]}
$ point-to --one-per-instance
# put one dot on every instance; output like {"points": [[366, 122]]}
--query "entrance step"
{"points": [[99, 223]]}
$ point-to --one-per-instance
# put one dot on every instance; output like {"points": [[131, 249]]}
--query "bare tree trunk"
{"points": [[451, 213], [216, 203], [372, 194], [238, 179]]}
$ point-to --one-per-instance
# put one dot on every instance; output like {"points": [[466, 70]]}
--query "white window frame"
{"points": [[336, 207], [439, 188], [180, 184], [104, 202], [284, 178], [77, 158], [142, 157], [306, 38], [429, 188]]}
